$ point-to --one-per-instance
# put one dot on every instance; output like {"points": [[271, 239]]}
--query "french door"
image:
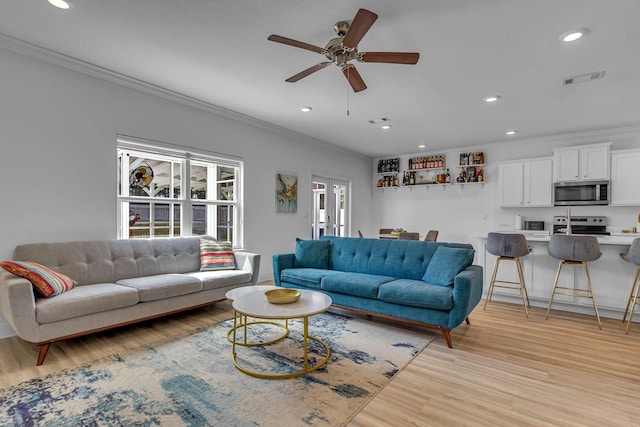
{"points": [[330, 207]]}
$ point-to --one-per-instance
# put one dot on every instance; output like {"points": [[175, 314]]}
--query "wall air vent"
{"points": [[584, 78], [380, 120]]}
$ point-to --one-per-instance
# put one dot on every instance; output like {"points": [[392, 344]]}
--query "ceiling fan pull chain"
{"points": [[348, 91]]}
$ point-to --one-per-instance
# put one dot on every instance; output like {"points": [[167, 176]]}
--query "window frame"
{"points": [[184, 157]]}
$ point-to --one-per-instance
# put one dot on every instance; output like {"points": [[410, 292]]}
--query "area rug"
{"points": [[192, 380]]}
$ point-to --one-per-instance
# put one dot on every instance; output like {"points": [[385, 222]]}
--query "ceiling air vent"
{"points": [[584, 78]]}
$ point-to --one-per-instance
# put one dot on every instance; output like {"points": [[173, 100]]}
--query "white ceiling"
{"points": [[217, 51]]}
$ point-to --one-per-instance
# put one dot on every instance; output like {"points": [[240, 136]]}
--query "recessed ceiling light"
{"points": [[385, 127], [305, 109], [511, 132], [573, 35], [61, 4], [422, 146], [491, 98]]}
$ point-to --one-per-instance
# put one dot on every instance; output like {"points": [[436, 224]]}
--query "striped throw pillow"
{"points": [[46, 281], [216, 255]]}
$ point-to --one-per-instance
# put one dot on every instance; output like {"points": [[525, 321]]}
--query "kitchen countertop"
{"points": [[622, 239]]}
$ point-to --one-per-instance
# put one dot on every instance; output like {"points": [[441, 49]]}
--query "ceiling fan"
{"points": [[344, 48]]}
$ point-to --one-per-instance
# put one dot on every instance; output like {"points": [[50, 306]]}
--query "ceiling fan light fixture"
{"points": [[60, 4], [574, 35], [305, 109], [491, 98]]}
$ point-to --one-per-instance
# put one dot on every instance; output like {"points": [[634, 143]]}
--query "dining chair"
{"points": [[432, 236], [386, 230], [360, 234], [408, 235]]}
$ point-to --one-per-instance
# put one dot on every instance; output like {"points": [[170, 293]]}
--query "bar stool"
{"points": [[633, 256], [574, 250], [508, 247]]}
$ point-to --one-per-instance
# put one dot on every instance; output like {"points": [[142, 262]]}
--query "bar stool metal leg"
{"points": [[523, 288], [633, 301], [555, 286], [631, 294], [492, 283], [593, 298], [574, 292]]}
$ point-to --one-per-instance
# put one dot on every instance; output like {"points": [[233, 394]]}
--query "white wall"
{"points": [[462, 211], [58, 131]]}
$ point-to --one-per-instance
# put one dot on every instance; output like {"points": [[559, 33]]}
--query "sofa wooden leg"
{"points": [[467, 320], [446, 333], [44, 349], [368, 317]]}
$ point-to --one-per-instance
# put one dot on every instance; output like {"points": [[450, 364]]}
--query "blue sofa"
{"points": [[432, 284]]}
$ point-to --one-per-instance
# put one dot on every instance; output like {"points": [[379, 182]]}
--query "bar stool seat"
{"points": [[574, 250], [633, 256], [510, 247]]}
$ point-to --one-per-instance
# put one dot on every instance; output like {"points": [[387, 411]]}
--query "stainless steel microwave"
{"points": [[583, 193]]}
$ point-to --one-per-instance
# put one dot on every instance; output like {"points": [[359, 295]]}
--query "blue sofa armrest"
{"points": [[467, 292], [280, 262]]}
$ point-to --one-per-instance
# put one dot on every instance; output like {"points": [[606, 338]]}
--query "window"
{"points": [[166, 192]]}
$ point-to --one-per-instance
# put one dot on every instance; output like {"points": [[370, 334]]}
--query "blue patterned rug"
{"points": [[192, 381]]}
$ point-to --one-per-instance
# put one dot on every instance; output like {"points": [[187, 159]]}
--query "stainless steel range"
{"points": [[581, 225]]}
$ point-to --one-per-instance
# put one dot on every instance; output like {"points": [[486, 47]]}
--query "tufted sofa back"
{"points": [[106, 261], [404, 259]]}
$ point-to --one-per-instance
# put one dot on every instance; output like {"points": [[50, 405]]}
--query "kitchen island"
{"points": [[611, 276]]}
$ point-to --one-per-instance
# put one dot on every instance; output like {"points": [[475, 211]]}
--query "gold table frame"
{"points": [[244, 324]]}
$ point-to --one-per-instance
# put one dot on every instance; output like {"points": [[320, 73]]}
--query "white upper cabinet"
{"points": [[525, 183], [510, 182], [625, 190], [584, 162], [538, 185]]}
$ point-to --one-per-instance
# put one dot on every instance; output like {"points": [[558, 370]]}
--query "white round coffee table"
{"points": [[250, 301]]}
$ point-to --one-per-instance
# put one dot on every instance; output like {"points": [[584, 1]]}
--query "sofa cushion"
{"points": [[221, 278], [357, 284], [307, 277], [446, 263], [152, 288], [311, 254], [216, 255], [46, 281], [84, 300], [417, 293]]}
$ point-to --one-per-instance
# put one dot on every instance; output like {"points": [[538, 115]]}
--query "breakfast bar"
{"points": [[611, 276]]}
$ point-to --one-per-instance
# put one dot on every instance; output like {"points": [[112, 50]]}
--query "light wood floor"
{"points": [[504, 369]]}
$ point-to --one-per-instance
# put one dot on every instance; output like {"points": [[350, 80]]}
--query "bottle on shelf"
{"points": [[447, 179]]}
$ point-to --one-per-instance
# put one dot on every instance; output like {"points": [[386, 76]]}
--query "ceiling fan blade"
{"points": [[354, 78], [305, 73], [363, 20], [390, 57], [295, 43]]}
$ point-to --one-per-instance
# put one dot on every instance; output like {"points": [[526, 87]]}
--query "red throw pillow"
{"points": [[47, 281]]}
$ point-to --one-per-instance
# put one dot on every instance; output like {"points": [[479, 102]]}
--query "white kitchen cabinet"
{"points": [[583, 162], [525, 183], [625, 166], [538, 185], [510, 180]]}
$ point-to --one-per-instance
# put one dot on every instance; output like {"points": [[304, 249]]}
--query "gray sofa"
{"points": [[119, 282]]}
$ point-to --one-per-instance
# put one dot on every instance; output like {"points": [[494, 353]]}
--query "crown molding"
{"points": [[46, 55]]}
